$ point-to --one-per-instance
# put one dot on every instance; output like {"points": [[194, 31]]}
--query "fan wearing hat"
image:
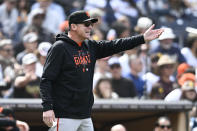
{"points": [[188, 83], [66, 83], [187, 90], [167, 45], [27, 84], [8, 65], [30, 42], [41, 55], [165, 70]]}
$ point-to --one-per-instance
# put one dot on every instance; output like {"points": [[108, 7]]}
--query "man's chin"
{"points": [[88, 36]]}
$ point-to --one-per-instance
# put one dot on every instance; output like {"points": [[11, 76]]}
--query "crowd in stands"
{"points": [[164, 69]]}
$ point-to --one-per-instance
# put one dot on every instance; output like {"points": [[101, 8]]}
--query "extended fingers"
{"points": [[150, 28], [159, 32]]}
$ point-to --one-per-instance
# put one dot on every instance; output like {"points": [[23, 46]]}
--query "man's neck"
{"points": [[74, 37]]}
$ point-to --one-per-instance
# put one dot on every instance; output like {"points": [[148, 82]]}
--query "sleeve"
{"points": [[7, 122], [109, 48], [51, 70]]}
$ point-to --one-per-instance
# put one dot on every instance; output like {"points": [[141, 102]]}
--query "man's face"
{"points": [[83, 30], [137, 65], [163, 125], [38, 19], [32, 46], [166, 43], [115, 69], [167, 70], [30, 68], [7, 51]]}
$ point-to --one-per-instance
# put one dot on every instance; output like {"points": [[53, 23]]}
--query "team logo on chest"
{"points": [[82, 59]]}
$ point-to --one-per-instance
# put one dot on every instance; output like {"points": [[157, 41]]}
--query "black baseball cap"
{"points": [[80, 17]]}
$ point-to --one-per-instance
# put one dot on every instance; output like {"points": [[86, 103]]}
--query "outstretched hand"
{"points": [[151, 34]]}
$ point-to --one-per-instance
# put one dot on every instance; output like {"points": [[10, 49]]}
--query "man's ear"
{"points": [[73, 26]]}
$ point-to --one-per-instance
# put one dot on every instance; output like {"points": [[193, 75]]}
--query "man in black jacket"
{"points": [[66, 83]]}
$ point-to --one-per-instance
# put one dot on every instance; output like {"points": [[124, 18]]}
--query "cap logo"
{"points": [[87, 14]]}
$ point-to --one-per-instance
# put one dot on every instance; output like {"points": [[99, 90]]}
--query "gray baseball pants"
{"points": [[65, 124]]}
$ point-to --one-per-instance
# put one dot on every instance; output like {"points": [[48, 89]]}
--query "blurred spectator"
{"points": [[126, 21], [190, 51], [122, 86], [23, 10], [9, 123], [1, 33], [103, 89], [186, 91], [142, 51], [124, 61], [97, 35], [35, 25], [156, 92], [135, 68], [143, 23], [181, 69], [8, 18], [118, 127], [51, 18], [177, 9], [41, 55], [71, 6], [27, 84], [103, 5], [157, 9], [100, 28], [151, 76], [91, 4], [188, 88], [114, 9], [9, 67], [192, 5], [144, 56], [64, 26], [30, 42], [51, 5], [101, 70], [165, 69], [125, 7], [163, 123], [167, 46], [118, 30]]}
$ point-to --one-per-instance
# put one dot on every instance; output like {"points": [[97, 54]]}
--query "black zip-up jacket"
{"points": [[66, 83]]}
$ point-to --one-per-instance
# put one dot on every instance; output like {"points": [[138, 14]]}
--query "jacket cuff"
{"points": [[47, 107], [141, 39]]}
